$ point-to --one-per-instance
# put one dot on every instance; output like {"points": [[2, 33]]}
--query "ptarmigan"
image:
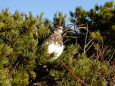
{"points": [[55, 42]]}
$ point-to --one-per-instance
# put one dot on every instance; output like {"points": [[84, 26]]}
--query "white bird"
{"points": [[55, 42]]}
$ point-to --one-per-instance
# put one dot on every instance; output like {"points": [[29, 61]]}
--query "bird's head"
{"points": [[59, 30]]}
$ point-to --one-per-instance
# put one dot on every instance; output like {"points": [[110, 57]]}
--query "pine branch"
{"points": [[73, 73]]}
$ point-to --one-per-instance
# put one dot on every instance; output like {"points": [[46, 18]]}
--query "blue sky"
{"points": [[49, 7]]}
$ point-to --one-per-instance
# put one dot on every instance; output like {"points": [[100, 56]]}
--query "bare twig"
{"points": [[112, 56], [107, 52], [92, 56], [86, 38], [89, 47], [14, 67], [66, 41], [88, 43], [70, 36]]}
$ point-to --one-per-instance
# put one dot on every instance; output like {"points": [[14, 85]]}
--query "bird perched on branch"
{"points": [[55, 42]]}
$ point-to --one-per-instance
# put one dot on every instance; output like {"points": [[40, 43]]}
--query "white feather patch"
{"points": [[55, 48]]}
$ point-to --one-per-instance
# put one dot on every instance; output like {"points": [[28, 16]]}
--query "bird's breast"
{"points": [[55, 48]]}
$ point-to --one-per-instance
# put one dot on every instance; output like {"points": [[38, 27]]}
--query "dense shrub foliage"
{"points": [[87, 60]]}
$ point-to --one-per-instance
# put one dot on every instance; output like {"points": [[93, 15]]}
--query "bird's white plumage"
{"points": [[55, 43], [55, 48]]}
